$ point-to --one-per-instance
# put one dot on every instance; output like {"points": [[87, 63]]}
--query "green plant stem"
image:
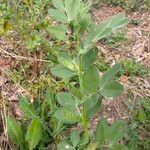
{"points": [[84, 115]]}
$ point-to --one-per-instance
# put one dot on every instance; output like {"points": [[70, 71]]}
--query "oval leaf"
{"points": [[58, 15], [91, 80], [67, 101], [75, 138], [89, 58], [112, 89], [101, 131], [65, 59], [58, 4], [61, 71], [109, 74], [67, 117], [58, 31]]}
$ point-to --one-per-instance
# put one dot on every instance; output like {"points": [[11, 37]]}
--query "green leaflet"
{"points": [[116, 132], [112, 89], [109, 74], [72, 8], [89, 58], [64, 146], [67, 101], [84, 21], [67, 117], [58, 31], [74, 138], [26, 107], [34, 133], [91, 112], [75, 92], [118, 147], [59, 4], [91, 80], [91, 101], [90, 37], [61, 71], [65, 59], [15, 132], [105, 28], [92, 146], [58, 15], [101, 131]]}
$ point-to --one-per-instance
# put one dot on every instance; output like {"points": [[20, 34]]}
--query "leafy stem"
{"points": [[84, 114]]}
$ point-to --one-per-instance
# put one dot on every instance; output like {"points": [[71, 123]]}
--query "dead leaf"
{"points": [[123, 78]]}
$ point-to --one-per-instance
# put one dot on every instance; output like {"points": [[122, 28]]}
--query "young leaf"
{"points": [[15, 132], [67, 117], [65, 59], [72, 8], [75, 138], [105, 28], [84, 21], [58, 31], [26, 107], [58, 15], [91, 80], [34, 133], [67, 101], [118, 20], [116, 132], [101, 131], [90, 37], [59, 4], [109, 74], [89, 58], [64, 146], [61, 71], [112, 89]]}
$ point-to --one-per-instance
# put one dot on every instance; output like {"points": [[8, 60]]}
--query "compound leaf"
{"points": [[109, 74]]}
